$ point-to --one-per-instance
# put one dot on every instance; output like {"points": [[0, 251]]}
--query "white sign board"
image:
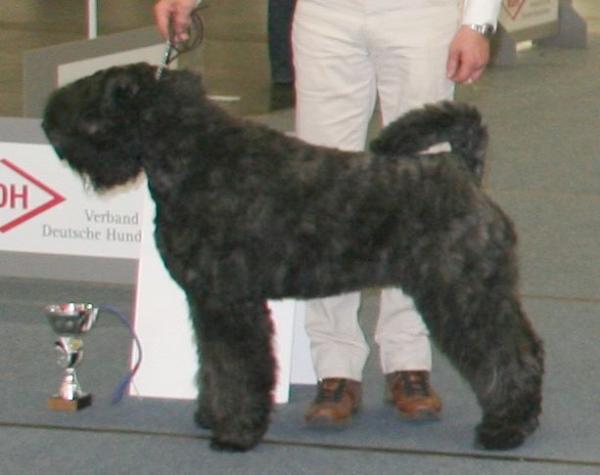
{"points": [[44, 208], [519, 15]]}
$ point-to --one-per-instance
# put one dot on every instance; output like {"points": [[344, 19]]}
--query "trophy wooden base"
{"points": [[57, 403]]}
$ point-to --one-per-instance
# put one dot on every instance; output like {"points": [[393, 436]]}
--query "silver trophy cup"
{"points": [[70, 321]]}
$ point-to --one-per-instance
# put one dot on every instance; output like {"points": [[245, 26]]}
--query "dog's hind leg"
{"points": [[237, 375], [508, 381], [486, 335]]}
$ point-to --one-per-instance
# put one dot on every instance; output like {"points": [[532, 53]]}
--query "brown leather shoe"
{"points": [[337, 399], [412, 395]]}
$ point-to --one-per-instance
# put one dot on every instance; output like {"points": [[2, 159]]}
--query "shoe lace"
{"points": [[415, 383], [330, 390]]}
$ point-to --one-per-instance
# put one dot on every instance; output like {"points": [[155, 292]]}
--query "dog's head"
{"points": [[94, 123]]}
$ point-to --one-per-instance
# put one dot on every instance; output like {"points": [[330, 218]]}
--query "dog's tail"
{"points": [[456, 123]]}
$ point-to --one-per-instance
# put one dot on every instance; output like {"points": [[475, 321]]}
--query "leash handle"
{"points": [[173, 49]]}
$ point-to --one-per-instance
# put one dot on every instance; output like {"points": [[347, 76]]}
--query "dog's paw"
{"points": [[502, 436], [237, 443], [238, 435]]}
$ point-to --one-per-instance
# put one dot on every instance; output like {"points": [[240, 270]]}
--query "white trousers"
{"points": [[348, 53]]}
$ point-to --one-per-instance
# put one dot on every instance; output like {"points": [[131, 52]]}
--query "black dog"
{"points": [[246, 214]]}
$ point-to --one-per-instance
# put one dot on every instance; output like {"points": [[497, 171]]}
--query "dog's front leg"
{"points": [[238, 373]]}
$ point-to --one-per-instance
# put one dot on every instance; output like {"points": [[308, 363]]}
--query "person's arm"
{"points": [[177, 11], [469, 51]]}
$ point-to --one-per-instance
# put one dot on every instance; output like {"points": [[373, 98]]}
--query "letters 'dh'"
{"points": [[15, 196]]}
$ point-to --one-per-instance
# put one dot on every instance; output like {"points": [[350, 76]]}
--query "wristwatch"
{"points": [[485, 29]]}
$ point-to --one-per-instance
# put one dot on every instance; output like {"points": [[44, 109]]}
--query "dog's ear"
{"points": [[119, 92]]}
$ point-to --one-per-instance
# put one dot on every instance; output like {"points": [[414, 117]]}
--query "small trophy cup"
{"points": [[70, 321]]}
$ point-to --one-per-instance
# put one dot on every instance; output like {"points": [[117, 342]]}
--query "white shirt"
{"points": [[478, 12]]}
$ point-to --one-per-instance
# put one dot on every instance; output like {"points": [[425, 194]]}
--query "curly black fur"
{"points": [[245, 213]]}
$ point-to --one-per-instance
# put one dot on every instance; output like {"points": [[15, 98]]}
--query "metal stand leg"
{"points": [[92, 11], [572, 29]]}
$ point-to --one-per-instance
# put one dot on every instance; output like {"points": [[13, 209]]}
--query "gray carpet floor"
{"points": [[158, 436]]}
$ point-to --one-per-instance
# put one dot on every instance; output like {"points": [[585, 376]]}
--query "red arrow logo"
{"points": [[513, 7], [54, 199]]}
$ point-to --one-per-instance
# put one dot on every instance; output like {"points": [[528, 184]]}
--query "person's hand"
{"points": [[178, 11], [468, 56]]}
